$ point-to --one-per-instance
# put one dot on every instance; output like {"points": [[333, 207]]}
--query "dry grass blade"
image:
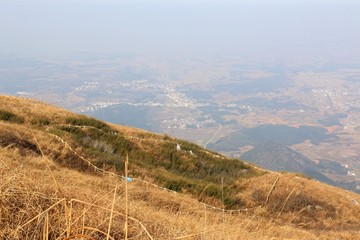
{"points": [[202, 192], [79, 236], [111, 214], [42, 213], [205, 221], [196, 234], [271, 190], [46, 227], [68, 218], [287, 198]]}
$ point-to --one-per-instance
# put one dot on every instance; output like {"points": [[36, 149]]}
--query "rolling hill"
{"points": [[278, 157], [66, 176]]}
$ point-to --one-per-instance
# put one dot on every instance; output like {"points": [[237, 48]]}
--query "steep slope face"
{"points": [[61, 175], [84, 143]]}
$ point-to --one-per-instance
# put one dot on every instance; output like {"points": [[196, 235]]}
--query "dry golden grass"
{"points": [[41, 199], [23, 107], [37, 202]]}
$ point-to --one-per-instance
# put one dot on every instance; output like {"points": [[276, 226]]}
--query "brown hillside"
{"points": [[60, 178]]}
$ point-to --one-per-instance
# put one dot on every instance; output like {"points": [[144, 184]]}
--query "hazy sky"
{"points": [[172, 27]]}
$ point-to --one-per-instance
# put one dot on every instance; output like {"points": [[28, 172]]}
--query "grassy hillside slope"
{"points": [[61, 178]]}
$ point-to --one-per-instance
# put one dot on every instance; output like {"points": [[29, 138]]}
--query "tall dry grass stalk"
{"points": [[111, 213], [271, 190], [205, 221], [46, 227], [286, 200], [223, 207], [67, 218], [126, 197]]}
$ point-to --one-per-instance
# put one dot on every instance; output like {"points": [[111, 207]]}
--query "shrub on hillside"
{"points": [[40, 121], [176, 183], [88, 121], [10, 117], [98, 144]]}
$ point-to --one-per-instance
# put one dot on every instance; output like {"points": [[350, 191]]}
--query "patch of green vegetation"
{"points": [[96, 143], [198, 163], [179, 183], [192, 168], [176, 183], [111, 162], [88, 121], [188, 169], [10, 117], [40, 121]]}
